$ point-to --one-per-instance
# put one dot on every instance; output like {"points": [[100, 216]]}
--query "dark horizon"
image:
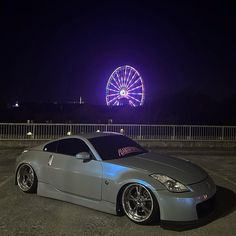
{"points": [[198, 109]]}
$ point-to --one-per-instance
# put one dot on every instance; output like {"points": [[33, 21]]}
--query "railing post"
{"points": [[190, 133], [222, 133], [140, 131], [173, 135], [33, 135]]}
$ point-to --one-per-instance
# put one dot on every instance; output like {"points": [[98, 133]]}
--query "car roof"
{"points": [[92, 135], [87, 135], [81, 136]]}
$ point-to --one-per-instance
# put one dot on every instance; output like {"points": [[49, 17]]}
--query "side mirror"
{"points": [[83, 156]]}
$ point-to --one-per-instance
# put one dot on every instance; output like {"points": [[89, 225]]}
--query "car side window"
{"points": [[51, 147], [72, 146]]}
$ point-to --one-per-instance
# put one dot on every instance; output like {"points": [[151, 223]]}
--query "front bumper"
{"points": [[188, 206]]}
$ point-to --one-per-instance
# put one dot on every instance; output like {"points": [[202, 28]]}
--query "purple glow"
{"points": [[125, 86]]}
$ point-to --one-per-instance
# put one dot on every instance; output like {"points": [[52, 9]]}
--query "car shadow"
{"points": [[225, 203]]}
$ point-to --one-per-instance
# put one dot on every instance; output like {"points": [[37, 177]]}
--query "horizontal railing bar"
{"points": [[158, 125]]}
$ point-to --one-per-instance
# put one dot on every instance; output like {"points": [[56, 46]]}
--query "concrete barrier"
{"points": [[145, 143], [21, 143], [188, 144]]}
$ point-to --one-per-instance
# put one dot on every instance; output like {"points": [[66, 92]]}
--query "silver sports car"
{"points": [[110, 172]]}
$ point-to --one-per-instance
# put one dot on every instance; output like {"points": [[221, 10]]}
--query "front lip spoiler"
{"points": [[186, 225], [192, 224]]}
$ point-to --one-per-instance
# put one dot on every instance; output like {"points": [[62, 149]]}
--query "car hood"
{"points": [[178, 169]]}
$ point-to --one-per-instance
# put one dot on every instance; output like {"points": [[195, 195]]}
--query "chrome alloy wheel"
{"points": [[137, 202], [26, 177]]}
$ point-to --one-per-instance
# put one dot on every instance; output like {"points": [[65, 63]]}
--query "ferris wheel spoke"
{"points": [[140, 86], [122, 76], [114, 79], [136, 94], [135, 82], [132, 103], [125, 77], [135, 99], [113, 99], [114, 86], [113, 90], [127, 81], [116, 103], [122, 81], [118, 79], [131, 79], [112, 95]]}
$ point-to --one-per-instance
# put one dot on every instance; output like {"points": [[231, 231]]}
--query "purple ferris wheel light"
{"points": [[125, 87]]}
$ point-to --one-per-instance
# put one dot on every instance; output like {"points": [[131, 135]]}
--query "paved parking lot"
{"points": [[29, 214]]}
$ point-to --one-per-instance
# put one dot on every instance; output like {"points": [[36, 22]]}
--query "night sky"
{"points": [[59, 50]]}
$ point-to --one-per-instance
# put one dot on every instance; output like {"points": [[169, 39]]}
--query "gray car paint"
{"points": [[180, 170], [76, 177], [96, 183]]}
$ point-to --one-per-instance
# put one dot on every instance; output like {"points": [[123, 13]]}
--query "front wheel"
{"points": [[139, 204], [27, 179]]}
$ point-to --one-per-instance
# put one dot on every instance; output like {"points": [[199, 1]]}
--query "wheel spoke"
{"points": [[146, 210], [30, 178], [24, 172], [137, 203], [146, 200], [138, 190], [135, 210], [25, 177], [131, 198]]}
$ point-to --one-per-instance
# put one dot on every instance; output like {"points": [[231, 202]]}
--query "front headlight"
{"points": [[171, 184]]}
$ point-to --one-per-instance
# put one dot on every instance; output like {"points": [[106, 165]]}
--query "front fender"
{"points": [[116, 177]]}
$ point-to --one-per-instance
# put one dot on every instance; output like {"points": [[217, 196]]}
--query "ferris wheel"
{"points": [[125, 87]]}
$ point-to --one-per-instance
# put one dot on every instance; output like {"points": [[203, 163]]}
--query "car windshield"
{"points": [[116, 146]]}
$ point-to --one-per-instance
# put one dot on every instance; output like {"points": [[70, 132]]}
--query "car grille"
{"points": [[206, 207]]}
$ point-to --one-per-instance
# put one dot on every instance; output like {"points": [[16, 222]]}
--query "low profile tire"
{"points": [[139, 204], [27, 179]]}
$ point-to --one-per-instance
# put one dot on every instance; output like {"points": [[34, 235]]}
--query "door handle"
{"points": [[50, 160]]}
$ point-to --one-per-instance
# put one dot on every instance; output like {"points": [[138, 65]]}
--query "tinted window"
{"points": [[51, 147], [72, 146], [116, 146]]}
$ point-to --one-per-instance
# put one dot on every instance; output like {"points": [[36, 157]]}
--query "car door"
{"points": [[75, 176]]}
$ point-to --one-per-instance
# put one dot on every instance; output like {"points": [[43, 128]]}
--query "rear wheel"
{"points": [[139, 204], [27, 179]]}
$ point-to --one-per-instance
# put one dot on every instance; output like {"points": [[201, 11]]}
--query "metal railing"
{"points": [[25, 131]]}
